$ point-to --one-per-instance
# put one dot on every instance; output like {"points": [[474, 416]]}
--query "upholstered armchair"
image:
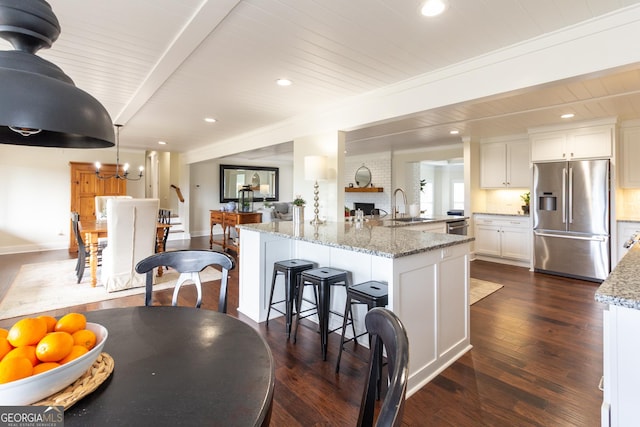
{"points": [[131, 229]]}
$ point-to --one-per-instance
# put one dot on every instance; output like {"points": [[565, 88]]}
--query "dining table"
{"points": [[179, 366], [95, 229]]}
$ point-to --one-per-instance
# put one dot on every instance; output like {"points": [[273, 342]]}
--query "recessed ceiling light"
{"points": [[283, 82], [162, 143], [433, 7], [454, 132], [567, 116], [210, 120]]}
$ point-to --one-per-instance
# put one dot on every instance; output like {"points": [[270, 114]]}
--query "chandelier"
{"points": [[125, 167]]}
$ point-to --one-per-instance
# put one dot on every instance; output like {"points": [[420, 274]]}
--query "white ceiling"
{"points": [[161, 66]]}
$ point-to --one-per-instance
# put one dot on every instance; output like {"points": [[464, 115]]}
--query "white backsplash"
{"points": [[504, 201], [630, 203], [380, 166]]}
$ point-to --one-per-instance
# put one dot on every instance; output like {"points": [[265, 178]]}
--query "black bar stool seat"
{"points": [[322, 279], [371, 293], [291, 269]]}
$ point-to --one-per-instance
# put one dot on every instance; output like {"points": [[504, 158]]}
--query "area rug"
{"points": [[480, 289], [52, 285]]}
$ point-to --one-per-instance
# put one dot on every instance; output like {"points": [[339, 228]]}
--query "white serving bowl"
{"points": [[34, 388]]}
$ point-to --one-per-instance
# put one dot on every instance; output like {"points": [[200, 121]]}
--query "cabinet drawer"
{"points": [[502, 221], [231, 220], [216, 216]]}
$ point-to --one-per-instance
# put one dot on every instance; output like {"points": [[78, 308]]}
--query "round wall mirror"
{"points": [[363, 176]]}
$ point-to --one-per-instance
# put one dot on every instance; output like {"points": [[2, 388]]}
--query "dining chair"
{"points": [[164, 217], [83, 250], [131, 230], [385, 329], [101, 205], [189, 263]]}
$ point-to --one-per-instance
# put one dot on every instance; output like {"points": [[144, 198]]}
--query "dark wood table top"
{"points": [[179, 366]]}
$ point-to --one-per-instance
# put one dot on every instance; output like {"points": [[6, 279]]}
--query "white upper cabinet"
{"points": [[630, 157], [505, 164], [594, 140]]}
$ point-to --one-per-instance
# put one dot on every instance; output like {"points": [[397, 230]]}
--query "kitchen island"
{"points": [[621, 323], [427, 274]]}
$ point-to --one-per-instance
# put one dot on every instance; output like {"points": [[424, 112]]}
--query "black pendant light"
{"points": [[39, 104]]}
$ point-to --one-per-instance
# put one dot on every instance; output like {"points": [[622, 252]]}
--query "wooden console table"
{"points": [[227, 220]]}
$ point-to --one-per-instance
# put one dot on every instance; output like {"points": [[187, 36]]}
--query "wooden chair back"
{"points": [[189, 263], [386, 330]]}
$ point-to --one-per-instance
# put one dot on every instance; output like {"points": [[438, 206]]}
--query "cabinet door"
{"points": [[493, 161], [85, 186], [518, 171], [630, 154], [515, 243], [589, 143], [625, 231], [548, 146], [487, 240], [452, 304]]}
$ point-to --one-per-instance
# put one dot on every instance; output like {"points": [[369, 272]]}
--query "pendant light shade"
{"points": [[39, 104]]}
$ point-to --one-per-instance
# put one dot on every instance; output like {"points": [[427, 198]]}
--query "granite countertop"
{"points": [[388, 242], [502, 214], [628, 220], [622, 287]]}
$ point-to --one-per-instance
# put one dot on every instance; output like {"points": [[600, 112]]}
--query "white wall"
{"points": [[204, 190], [36, 193]]}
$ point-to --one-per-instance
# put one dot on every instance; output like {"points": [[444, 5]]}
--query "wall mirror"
{"points": [[262, 180], [363, 176]]}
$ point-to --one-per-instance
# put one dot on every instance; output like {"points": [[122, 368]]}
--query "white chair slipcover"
{"points": [[101, 205], [131, 230]]}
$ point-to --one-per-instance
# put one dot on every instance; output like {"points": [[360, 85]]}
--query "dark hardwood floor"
{"points": [[536, 357]]}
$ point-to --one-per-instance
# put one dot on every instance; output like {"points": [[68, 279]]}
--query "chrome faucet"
{"points": [[394, 207]]}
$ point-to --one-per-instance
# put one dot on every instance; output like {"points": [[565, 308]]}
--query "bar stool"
{"points": [[322, 279], [371, 293], [291, 270]]}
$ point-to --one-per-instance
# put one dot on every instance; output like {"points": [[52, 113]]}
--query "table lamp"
{"points": [[315, 169]]}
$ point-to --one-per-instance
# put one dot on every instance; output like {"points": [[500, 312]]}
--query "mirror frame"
{"points": [[362, 169], [250, 172]]}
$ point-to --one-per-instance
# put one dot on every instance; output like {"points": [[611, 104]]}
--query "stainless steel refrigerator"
{"points": [[570, 204]]}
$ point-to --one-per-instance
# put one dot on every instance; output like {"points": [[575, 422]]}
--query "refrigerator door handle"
{"points": [[564, 236], [570, 195], [564, 195]]}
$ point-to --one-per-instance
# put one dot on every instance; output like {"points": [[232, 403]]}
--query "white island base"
{"points": [[428, 291]]}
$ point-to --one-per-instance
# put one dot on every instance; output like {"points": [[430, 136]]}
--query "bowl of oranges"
{"points": [[40, 356]]}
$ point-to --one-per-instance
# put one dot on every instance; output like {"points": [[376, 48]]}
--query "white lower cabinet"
{"points": [[621, 370], [504, 237], [626, 229]]}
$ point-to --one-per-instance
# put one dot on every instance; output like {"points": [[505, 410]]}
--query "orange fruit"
{"points": [[50, 321], [44, 366], [85, 338], [5, 347], [54, 346], [71, 323], [76, 351], [28, 351], [4, 332], [14, 368], [27, 332]]}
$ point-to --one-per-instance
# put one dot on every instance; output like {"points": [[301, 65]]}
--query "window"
{"points": [[458, 195], [426, 198]]}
